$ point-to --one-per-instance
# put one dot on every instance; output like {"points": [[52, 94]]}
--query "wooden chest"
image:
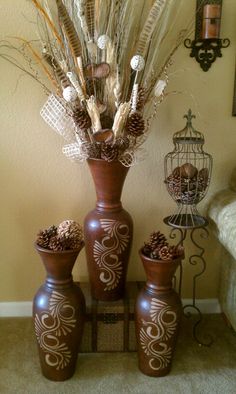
{"points": [[109, 326]]}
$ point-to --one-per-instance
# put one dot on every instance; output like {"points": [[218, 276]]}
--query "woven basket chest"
{"points": [[109, 326]]}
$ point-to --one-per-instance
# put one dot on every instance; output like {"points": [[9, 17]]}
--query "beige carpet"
{"points": [[195, 369]]}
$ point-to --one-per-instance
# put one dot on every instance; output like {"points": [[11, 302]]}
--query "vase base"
{"points": [[58, 377]]}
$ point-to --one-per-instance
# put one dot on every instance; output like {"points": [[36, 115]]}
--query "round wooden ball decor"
{"points": [[187, 170]]}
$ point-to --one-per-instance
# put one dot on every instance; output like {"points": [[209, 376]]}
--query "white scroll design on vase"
{"points": [[107, 254], [51, 326], [155, 333]]}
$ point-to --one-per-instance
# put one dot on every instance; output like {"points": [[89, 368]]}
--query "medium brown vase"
{"points": [[158, 312], [108, 232], [58, 312]]}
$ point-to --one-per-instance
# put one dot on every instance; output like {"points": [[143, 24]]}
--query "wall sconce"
{"points": [[207, 45]]}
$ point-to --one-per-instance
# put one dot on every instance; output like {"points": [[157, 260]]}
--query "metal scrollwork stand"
{"points": [[196, 259]]}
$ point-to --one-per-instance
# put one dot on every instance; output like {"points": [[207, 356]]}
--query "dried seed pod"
{"points": [[187, 170], [106, 135], [97, 71]]}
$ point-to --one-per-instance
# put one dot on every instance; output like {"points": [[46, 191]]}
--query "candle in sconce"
{"points": [[211, 21]]}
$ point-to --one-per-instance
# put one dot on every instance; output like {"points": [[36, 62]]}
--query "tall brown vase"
{"points": [[158, 312], [58, 312], [108, 231]]}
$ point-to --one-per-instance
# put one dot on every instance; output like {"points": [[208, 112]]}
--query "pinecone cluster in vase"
{"points": [[107, 150], [187, 184], [158, 248], [103, 144], [68, 235]]}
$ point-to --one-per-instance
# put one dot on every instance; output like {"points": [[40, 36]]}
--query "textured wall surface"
{"points": [[39, 186]]}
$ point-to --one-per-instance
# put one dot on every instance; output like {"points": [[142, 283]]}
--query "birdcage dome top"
{"points": [[188, 135]]}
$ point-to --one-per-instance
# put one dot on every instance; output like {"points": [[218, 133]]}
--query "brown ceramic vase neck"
{"points": [[159, 273], [58, 266], [109, 179]]}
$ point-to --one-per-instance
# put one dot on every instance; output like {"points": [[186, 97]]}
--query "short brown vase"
{"points": [[158, 313], [58, 312], [108, 232]]}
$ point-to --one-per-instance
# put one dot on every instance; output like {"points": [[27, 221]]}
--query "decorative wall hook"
{"points": [[207, 45]]}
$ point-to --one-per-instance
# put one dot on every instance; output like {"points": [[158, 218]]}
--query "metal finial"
{"points": [[189, 117]]}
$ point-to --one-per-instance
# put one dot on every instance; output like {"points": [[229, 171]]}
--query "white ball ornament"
{"points": [[70, 94], [103, 41], [137, 63]]}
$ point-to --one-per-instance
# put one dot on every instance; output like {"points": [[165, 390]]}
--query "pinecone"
{"points": [[92, 151], [70, 229], [147, 250], [52, 230], [109, 152], [155, 254], [122, 143], [141, 99], [174, 186], [157, 240], [43, 239], [176, 172], [82, 119], [73, 243], [135, 124], [56, 244], [176, 251], [165, 253]]}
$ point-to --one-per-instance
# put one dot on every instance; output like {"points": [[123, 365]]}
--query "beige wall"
{"points": [[39, 186]]}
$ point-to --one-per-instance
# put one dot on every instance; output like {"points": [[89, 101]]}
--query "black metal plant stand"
{"points": [[187, 177], [196, 259]]}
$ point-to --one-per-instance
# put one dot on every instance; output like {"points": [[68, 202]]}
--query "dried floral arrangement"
{"points": [[158, 248], [68, 235], [105, 70]]}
